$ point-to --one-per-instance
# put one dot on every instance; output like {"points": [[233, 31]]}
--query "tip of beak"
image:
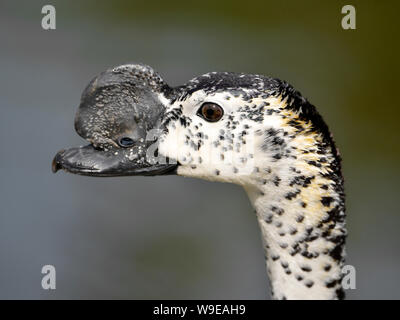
{"points": [[55, 165]]}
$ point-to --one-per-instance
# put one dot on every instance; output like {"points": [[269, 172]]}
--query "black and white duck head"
{"points": [[251, 130]]}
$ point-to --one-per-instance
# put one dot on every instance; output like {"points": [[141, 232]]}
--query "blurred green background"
{"points": [[157, 237]]}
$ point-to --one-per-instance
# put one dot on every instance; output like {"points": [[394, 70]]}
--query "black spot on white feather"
{"points": [[306, 268]]}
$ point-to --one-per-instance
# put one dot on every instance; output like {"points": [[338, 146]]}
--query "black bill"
{"points": [[120, 114]]}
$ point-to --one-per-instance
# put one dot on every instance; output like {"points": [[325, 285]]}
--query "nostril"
{"points": [[125, 142], [97, 147]]}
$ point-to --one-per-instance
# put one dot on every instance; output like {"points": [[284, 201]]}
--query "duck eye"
{"points": [[125, 142], [210, 111]]}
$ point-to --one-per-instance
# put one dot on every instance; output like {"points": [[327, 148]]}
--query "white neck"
{"points": [[303, 237]]}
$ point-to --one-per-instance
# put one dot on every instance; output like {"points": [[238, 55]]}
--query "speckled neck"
{"points": [[302, 222], [275, 144]]}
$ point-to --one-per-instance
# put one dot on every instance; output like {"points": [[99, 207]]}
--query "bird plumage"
{"points": [[272, 142]]}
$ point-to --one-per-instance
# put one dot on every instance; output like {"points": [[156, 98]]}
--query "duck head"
{"points": [[251, 130], [220, 126]]}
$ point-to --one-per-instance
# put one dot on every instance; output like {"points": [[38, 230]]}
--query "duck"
{"points": [[251, 130]]}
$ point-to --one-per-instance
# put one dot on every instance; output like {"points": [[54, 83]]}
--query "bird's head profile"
{"points": [[251, 130]]}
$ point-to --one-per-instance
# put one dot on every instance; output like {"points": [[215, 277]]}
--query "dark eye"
{"points": [[125, 142], [210, 111]]}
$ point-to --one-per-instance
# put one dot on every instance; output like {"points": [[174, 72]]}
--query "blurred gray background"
{"points": [[172, 237]]}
